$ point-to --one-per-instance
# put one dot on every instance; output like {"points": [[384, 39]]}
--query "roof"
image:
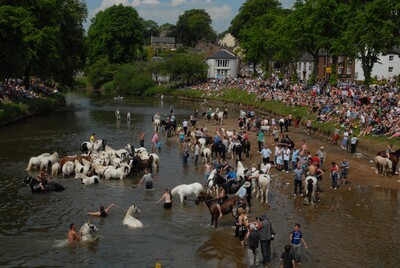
{"points": [[164, 40], [395, 50], [306, 57], [223, 54]]}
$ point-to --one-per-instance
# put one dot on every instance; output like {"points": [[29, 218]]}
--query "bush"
{"points": [[158, 90], [129, 80]]}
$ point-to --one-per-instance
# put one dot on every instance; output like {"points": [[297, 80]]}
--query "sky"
{"points": [[168, 11]]}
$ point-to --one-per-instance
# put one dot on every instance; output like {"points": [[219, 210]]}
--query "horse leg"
{"points": [[266, 194]]}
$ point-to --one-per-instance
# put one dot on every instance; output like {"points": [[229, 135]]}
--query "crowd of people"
{"points": [[14, 89], [373, 111]]}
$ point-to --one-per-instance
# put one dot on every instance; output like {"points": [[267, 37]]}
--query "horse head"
{"points": [[27, 180], [88, 228], [203, 197], [133, 210]]}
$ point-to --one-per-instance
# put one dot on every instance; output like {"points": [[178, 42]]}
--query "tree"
{"points": [[193, 26], [366, 22], [150, 29], [117, 34], [187, 68], [47, 35], [131, 80], [167, 30], [249, 12]]}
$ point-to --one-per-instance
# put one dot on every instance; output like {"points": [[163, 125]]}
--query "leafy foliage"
{"points": [[193, 26], [116, 34], [130, 80]]}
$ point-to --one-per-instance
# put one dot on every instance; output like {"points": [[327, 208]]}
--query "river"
{"points": [[354, 228]]}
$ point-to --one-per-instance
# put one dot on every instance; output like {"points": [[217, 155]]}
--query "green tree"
{"points": [[151, 28], [370, 32], [131, 80], [249, 12], [193, 26], [187, 68], [101, 72], [167, 30], [117, 34], [50, 37]]}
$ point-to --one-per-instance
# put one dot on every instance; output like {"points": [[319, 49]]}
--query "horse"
{"points": [[48, 161], [264, 181], [184, 190], [394, 157], [87, 180], [48, 187], [246, 148], [206, 153], [35, 161], [240, 171], [116, 173], [129, 220], [55, 168], [236, 151], [226, 207], [218, 117], [311, 186], [214, 181], [87, 231], [382, 162], [218, 149], [68, 168], [138, 165], [92, 147]]}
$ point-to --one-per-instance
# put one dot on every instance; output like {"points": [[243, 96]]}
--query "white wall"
{"points": [[381, 69], [306, 68], [222, 72]]}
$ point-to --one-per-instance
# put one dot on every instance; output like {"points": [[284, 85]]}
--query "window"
{"points": [[222, 63], [390, 70], [310, 66], [348, 70], [299, 66], [391, 57], [340, 59]]}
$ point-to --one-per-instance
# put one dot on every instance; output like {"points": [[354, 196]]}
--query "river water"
{"points": [[356, 228]]}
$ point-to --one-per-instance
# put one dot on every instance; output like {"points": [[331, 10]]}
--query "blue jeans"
{"points": [[334, 177]]}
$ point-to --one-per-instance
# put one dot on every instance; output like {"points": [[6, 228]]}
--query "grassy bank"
{"points": [[369, 143], [13, 111]]}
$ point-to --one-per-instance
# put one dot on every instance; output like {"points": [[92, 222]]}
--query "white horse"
{"points": [[87, 231], [184, 190], [128, 116], [55, 168], [264, 181], [218, 117], [240, 171], [211, 183], [206, 153], [48, 161], [92, 147], [35, 161], [68, 168], [116, 173], [129, 220], [311, 186], [384, 163], [156, 160], [99, 169], [82, 169], [87, 180]]}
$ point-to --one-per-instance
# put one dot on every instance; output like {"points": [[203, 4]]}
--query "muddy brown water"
{"points": [[354, 226]]}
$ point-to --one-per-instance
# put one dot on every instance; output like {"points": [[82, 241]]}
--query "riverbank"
{"points": [[13, 111], [368, 145]]}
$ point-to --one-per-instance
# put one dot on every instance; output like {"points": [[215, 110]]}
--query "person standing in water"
{"points": [[168, 199]]}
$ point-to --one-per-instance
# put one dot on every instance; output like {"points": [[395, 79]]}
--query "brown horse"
{"points": [[73, 158], [394, 157], [211, 202]]}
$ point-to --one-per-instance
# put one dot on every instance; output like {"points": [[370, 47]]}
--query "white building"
{"points": [[223, 64], [305, 67], [386, 67]]}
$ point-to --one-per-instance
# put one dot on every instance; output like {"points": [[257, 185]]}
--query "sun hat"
{"points": [[246, 184]]}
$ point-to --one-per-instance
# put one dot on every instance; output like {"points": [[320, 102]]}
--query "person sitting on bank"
{"points": [[102, 212], [72, 235], [168, 199]]}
